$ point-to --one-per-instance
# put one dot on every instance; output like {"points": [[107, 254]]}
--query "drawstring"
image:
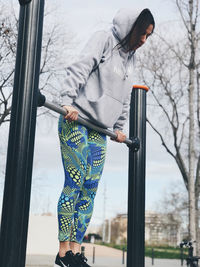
{"points": [[83, 258], [125, 76], [127, 61]]}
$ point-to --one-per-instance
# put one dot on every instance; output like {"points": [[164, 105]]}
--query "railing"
{"points": [[133, 144]]}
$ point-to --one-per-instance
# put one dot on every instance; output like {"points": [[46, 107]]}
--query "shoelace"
{"points": [[83, 258]]}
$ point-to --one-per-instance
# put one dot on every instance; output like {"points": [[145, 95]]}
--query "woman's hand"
{"points": [[72, 113], [121, 137]]}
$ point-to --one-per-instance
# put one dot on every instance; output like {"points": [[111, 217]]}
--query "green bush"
{"points": [[161, 252], [165, 252]]}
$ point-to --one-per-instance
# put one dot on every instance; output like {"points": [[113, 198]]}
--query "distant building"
{"points": [[119, 229], [160, 229]]}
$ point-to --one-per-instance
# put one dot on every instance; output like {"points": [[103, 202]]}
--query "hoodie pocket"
{"points": [[106, 109]]}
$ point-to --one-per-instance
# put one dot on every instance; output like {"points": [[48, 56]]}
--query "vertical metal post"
{"points": [[181, 256], [16, 201], [93, 258], [83, 250], [123, 255], [136, 187], [152, 257]]}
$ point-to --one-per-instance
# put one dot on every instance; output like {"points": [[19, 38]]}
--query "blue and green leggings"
{"points": [[83, 156]]}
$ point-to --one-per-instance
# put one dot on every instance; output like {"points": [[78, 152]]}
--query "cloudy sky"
{"points": [[82, 18]]}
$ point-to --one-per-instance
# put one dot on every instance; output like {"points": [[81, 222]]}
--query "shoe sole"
{"points": [[56, 265]]}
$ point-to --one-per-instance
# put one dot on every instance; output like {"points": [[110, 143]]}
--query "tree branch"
{"points": [[197, 180], [170, 46], [177, 157]]}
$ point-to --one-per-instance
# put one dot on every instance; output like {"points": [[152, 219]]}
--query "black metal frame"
{"points": [[136, 184], [191, 261], [24, 2], [132, 143], [16, 201], [17, 190]]}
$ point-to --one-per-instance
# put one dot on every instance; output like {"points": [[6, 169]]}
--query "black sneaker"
{"points": [[81, 260], [67, 261]]}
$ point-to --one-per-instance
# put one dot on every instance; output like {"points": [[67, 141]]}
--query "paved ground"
{"points": [[105, 257], [42, 248], [48, 261]]}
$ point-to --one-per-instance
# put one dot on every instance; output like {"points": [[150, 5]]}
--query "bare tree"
{"points": [[55, 41], [175, 201], [7, 55], [56, 46], [170, 66]]}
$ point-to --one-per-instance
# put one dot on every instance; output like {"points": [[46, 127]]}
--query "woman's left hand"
{"points": [[121, 137]]}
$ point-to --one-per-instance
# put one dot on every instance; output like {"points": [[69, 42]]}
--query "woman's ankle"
{"points": [[75, 247], [62, 253], [64, 247]]}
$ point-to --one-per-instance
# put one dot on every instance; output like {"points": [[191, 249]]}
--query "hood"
{"points": [[123, 21]]}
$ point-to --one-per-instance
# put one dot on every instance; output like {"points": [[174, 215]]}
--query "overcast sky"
{"points": [[82, 18]]}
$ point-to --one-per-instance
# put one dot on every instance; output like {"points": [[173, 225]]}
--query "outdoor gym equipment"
{"points": [[131, 143], [17, 189], [191, 261]]}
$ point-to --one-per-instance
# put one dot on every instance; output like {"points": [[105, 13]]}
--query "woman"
{"points": [[98, 89]]}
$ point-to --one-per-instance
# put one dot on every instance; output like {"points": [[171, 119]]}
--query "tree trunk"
{"points": [[191, 152], [197, 224], [191, 148]]}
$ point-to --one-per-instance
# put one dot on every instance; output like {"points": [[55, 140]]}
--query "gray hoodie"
{"points": [[99, 84]]}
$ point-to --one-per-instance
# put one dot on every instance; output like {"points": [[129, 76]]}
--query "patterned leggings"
{"points": [[83, 156]]}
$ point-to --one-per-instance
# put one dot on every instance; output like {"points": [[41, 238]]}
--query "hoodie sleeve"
{"points": [[124, 115], [79, 71]]}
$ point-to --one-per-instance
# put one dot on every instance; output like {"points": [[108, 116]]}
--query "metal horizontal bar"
{"points": [[62, 111]]}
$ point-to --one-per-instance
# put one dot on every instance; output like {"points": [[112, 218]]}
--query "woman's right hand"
{"points": [[72, 113], [121, 137]]}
